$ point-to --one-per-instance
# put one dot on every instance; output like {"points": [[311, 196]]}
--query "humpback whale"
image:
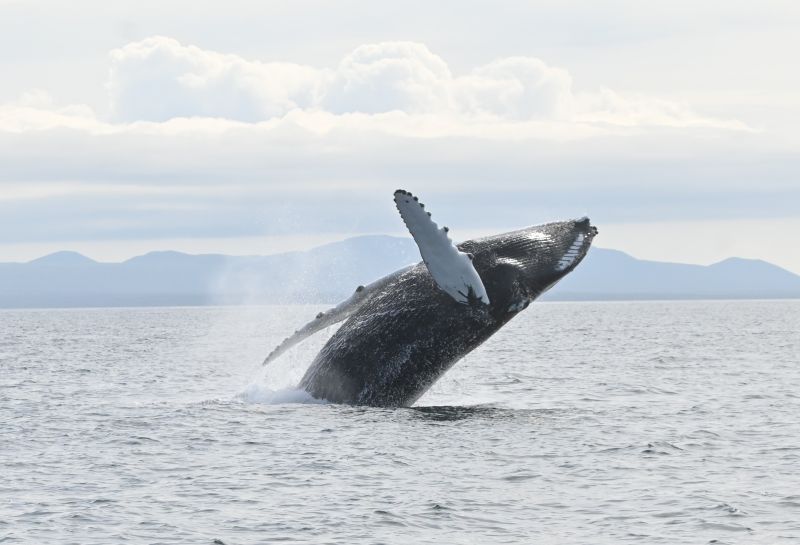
{"points": [[405, 330]]}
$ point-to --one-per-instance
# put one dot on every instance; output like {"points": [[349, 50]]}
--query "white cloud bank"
{"points": [[394, 87], [196, 144]]}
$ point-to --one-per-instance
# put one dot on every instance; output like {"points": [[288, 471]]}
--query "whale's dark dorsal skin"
{"points": [[408, 333]]}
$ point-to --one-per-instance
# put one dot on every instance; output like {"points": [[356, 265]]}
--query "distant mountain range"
{"points": [[328, 273]]}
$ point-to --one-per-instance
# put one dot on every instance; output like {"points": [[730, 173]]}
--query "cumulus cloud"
{"points": [[517, 88], [158, 79], [390, 76]]}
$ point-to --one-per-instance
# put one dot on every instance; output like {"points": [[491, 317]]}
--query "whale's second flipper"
{"points": [[451, 269], [334, 315]]}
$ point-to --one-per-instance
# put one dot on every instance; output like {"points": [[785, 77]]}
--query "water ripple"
{"points": [[578, 423]]}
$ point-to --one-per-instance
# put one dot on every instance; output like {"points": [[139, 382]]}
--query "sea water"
{"points": [[578, 423]]}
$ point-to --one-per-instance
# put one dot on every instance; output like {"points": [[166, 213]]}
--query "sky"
{"points": [[255, 127]]}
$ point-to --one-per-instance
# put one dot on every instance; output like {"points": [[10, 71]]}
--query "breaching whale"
{"points": [[405, 330]]}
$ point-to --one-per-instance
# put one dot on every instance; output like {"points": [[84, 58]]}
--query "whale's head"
{"points": [[555, 249], [530, 261]]}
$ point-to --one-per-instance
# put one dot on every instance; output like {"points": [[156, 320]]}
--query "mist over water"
{"points": [[641, 422]]}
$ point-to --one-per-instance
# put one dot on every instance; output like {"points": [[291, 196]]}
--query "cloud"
{"points": [[517, 88], [199, 143], [392, 76], [158, 79], [36, 110], [609, 107]]}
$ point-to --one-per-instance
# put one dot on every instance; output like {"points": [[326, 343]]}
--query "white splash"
{"points": [[257, 393]]}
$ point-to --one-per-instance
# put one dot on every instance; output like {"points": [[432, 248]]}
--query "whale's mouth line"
{"points": [[573, 253]]}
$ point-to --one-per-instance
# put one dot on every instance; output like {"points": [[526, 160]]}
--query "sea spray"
{"points": [[257, 393], [277, 382]]}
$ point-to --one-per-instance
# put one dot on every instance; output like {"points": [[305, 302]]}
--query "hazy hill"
{"points": [[611, 274], [329, 272]]}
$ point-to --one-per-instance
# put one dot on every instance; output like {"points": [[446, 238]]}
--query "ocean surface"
{"points": [[578, 423]]}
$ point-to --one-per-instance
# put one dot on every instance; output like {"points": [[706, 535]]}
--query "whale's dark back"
{"points": [[397, 345], [393, 348]]}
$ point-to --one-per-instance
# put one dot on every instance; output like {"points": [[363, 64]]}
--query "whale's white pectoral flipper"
{"points": [[451, 269], [334, 315]]}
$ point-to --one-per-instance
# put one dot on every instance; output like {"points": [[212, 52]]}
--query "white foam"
{"points": [[257, 393]]}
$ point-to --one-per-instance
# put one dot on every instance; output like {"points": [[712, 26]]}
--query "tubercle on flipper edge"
{"points": [[445, 229], [443, 232]]}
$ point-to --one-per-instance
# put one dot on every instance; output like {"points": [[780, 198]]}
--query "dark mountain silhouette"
{"points": [[328, 273]]}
